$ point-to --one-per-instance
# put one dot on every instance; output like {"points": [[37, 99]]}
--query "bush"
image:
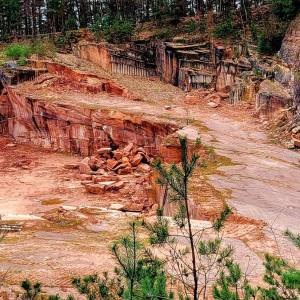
{"points": [[224, 29], [22, 61], [96, 29], [164, 34], [17, 51], [269, 42], [194, 26], [38, 48], [119, 31], [285, 9]]}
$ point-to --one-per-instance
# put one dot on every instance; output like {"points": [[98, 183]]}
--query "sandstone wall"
{"points": [[271, 97], [80, 130], [121, 61], [6, 111], [96, 53], [290, 54]]}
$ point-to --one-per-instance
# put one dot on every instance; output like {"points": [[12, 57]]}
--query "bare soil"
{"points": [[257, 178]]}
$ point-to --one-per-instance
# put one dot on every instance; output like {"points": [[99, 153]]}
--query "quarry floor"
{"points": [[261, 183]]}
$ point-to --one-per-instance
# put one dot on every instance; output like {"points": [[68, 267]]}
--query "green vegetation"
{"points": [[285, 9], [22, 51], [283, 281], [164, 34], [225, 29], [119, 31], [17, 51], [113, 30], [295, 238], [32, 291], [190, 265], [232, 284], [270, 38]]}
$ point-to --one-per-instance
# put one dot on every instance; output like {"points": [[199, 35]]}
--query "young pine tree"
{"points": [[193, 261]]}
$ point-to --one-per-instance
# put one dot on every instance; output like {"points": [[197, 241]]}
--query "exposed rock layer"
{"points": [[69, 128]]}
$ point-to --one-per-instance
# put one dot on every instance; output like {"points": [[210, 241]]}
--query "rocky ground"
{"points": [[67, 229]]}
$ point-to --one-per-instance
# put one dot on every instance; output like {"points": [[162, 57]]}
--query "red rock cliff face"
{"points": [[6, 111], [96, 53], [290, 54], [80, 130], [106, 85]]}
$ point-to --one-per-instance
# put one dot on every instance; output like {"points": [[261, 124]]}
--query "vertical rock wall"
{"points": [[74, 129], [6, 112], [290, 54]]}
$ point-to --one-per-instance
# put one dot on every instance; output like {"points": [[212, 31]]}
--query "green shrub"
{"points": [[96, 29], [164, 34], [22, 61], [17, 51], [269, 42], [119, 31], [38, 48], [285, 9], [224, 29], [191, 26], [194, 26]]}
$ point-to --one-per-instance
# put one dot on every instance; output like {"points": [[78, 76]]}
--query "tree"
{"points": [[139, 275], [233, 284], [195, 265], [283, 280]]}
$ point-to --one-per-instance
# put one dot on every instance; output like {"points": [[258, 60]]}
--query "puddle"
{"points": [[52, 202]]}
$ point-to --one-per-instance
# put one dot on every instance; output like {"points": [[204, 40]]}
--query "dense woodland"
{"points": [[31, 17]]}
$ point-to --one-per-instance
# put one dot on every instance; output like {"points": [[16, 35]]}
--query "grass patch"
{"points": [[214, 162]]}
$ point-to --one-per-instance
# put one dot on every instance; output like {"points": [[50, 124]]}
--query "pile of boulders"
{"points": [[104, 171], [212, 97]]}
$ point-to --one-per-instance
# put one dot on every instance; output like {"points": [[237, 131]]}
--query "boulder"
{"points": [[212, 104], [133, 207], [120, 166], [136, 160], [95, 188], [100, 172], [117, 206], [85, 182], [125, 171], [10, 145], [71, 166], [102, 151], [128, 148], [84, 167], [223, 95], [105, 178], [99, 188], [295, 130], [84, 177], [125, 160], [271, 97], [144, 168], [111, 164], [94, 163], [118, 185], [118, 154]]}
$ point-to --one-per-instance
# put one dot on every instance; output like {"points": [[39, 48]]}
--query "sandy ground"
{"points": [[257, 178]]}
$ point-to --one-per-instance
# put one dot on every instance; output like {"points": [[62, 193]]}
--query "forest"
{"points": [[32, 17]]}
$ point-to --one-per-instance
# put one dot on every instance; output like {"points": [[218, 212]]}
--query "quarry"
{"points": [[79, 134]]}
